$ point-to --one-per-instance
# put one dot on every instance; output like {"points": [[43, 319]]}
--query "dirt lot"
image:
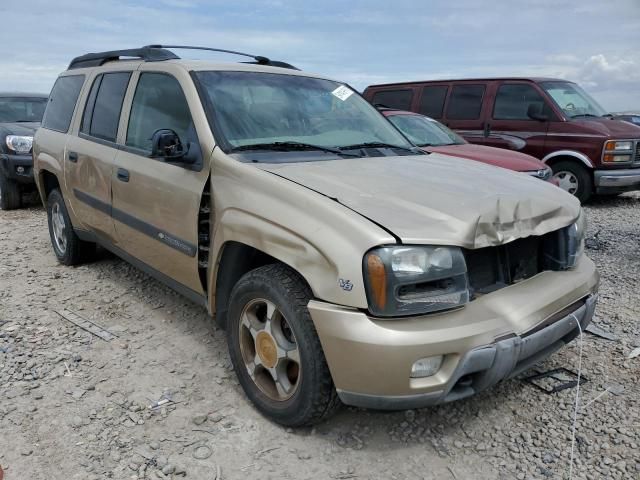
{"points": [[74, 406]]}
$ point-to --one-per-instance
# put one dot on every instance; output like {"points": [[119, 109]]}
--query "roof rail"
{"points": [[148, 54], [158, 53], [259, 59]]}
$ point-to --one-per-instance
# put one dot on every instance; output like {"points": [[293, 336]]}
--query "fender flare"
{"points": [[569, 153]]}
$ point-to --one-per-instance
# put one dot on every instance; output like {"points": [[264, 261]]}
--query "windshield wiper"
{"points": [[289, 147], [376, 145], [585, 115]]}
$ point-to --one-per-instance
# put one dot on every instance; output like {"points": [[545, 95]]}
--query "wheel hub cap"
{"points": [[58, 227], [269, 349], [266, 348], [567, 181]]}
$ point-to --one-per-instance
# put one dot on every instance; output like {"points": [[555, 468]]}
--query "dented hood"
{"points": [[438, 199]]}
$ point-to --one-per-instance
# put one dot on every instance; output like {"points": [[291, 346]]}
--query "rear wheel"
{"points": [[275, 349], [574, 179], [69, 249], [10, 197]]}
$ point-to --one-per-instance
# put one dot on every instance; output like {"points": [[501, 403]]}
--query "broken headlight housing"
{"points": [[563, 251], [414, 280], [575, 240]]}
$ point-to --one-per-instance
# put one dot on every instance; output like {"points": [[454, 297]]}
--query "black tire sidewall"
{"points": [[11, 197], [585, 184], [294, 410]]}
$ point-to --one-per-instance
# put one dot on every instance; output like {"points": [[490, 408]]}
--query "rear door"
{"points": [[156, 203], [432, 99], [465, 110], [91, 154], [509, 124]]}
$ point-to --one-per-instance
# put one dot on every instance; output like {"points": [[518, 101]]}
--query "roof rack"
{"points": [[159, 53], [148, 54]]}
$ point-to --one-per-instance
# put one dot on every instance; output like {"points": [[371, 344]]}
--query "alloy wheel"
{"points": [[59, 228], [269, 349]]}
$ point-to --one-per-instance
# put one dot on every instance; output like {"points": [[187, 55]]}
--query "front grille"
{"points": [[636, 157], [492, 268]]}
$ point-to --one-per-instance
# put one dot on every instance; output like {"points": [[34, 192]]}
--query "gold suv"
{"points": [[345, 264]]}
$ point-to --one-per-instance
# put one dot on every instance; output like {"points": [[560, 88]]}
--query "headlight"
{"points": [[612, 145], [575, 234], [406, 280], [618, 151], [19, 144], [609, 158], [542, 174]]}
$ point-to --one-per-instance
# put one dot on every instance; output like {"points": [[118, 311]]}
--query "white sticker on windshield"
{"points": [[342, 92]]}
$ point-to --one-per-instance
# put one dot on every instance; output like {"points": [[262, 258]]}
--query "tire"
{"points": [[10, 196], [69, 249], [574, 179], [307, 395]]}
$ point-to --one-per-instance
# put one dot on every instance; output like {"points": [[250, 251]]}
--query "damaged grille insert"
{"points": [[492, 268]]}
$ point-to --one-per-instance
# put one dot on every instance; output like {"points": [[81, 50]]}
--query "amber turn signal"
{"points": [[377, 280]]}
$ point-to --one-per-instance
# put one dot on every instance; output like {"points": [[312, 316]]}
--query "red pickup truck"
{"points": [[553, 120]]}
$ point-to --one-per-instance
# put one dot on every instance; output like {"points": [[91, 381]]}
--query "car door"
{"points": [[156, 202], [91, 154], [465, 110], [510, 125]]}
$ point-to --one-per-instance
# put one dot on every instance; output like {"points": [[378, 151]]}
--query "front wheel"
{"points": [[10, 196], [574, 179], [275, 349]]}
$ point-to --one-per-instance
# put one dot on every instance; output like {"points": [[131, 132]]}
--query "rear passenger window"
{"points": [[62, 102], [102, 112], [513, 101], [400, 99], [465, 102], [159, 103], [432, 101]]}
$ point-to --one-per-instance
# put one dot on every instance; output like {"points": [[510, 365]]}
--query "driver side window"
{"points": [[159, 103]]}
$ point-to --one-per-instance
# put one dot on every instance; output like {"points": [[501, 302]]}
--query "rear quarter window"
{"points": [[62, 102], [465, 102], [400, 99]]}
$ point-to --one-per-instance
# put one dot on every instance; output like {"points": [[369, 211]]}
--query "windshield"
{"points": [[424, 131], [255, 111], [573, 100], [21, 109]]}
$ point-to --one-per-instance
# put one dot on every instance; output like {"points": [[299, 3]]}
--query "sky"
{"points": [[593, 42]]}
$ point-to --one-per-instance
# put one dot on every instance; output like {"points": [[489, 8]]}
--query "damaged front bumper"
{"points": [[493, 338]]}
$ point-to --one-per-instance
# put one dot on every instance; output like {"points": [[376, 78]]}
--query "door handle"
{"points": [[73, 157], [123, 175], [487, 129]]}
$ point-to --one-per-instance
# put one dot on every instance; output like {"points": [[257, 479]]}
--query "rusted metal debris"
{"points": [[555, 380], [87, 325]]}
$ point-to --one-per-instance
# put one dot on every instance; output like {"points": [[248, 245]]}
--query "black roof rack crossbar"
{"points": [[148, 54], [259, 59]]}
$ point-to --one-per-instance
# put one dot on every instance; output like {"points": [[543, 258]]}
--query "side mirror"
{"points": [[534, 112], [166, 144]]}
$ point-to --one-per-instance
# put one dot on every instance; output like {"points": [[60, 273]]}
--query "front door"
{"points": [[90, 156], [155, 202], [510, 125]]}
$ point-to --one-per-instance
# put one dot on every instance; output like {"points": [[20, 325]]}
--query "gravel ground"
{"points": [[74, 406]]}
